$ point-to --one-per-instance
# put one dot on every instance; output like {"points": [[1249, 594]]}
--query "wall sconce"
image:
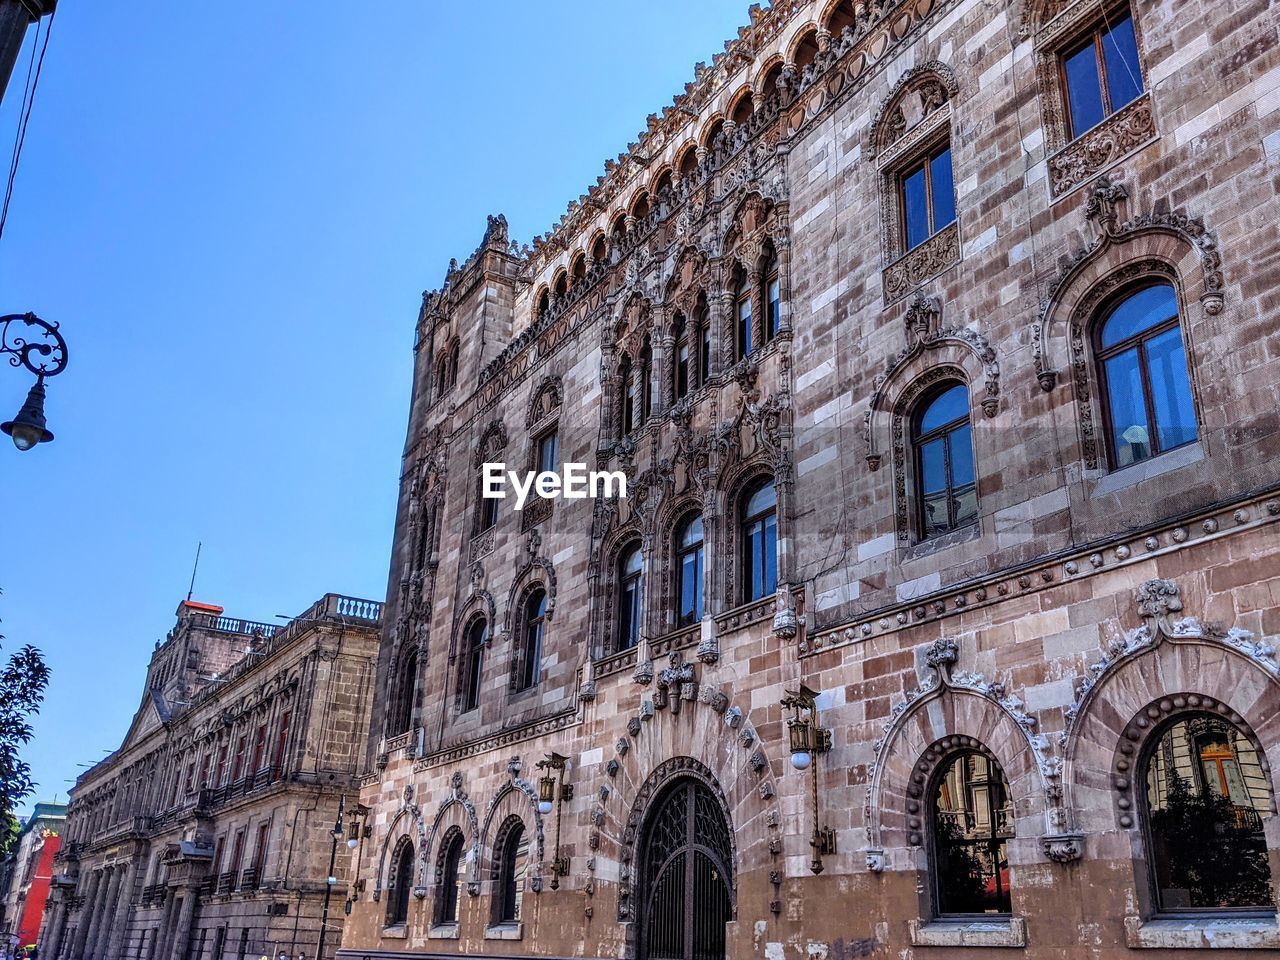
{"points": [[356, 829], [553, 792], [807, 741]]}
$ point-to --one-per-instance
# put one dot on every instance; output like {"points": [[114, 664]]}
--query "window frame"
{"points": [[1106, 310], [532, 640], [471, 675], [743, 336], [771, 324], [1092, 35], [941, 771], [679, 552], [1153, 896], [400, 885], [507, 900], [449, 885], [923, 161], [920, 440], [627, 640], [745, 524]]}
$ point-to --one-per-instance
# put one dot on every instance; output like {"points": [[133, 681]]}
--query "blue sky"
{"points": [[233, 218]]}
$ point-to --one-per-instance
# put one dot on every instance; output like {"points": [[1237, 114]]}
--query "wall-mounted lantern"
{"points": [[807, 741], [553, 792]]}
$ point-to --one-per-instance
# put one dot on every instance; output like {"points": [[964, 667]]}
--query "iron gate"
{"points": [[687, 865]]}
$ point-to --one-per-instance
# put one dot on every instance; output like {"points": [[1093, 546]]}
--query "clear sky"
{"points": [[233, 213]]}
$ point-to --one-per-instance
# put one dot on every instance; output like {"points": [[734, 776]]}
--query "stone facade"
{"points": [[1053, 638], [25, 875], [208, 833]]}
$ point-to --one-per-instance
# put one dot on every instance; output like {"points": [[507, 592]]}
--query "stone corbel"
{"points": [[1063, 847]]}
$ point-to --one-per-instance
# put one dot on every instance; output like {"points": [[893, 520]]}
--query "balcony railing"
{"points": [[226, 880], [249, 878]]}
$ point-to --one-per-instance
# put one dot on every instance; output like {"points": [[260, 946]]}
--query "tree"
{"points": [[22, 685]]}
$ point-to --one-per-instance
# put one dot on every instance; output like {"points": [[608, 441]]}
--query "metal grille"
{"points": [[687, 863]]}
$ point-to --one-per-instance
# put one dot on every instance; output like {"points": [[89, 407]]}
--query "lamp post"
{"points": [[330, 879], [37, 345], [552, 793], [807, 741]]}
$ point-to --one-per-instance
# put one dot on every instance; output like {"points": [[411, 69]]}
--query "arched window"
{"points": [[843, 15], [578, 269], [544, 304], [449, 877], [972, 821], [629, 612], [474, 642], [561, 285], [688, 570], [405, 690], [599, 250], [512, 862], [806, 51], [486, 509], [769, 86], [742, 109], [645, 387], [627, 378], [1205, 796], [926, 196], [400, 884], [759, 540], [682, 361], [772, 299], [713, 131], [742, 311], [689, 161], [640, 208], [1145, 381], [535, 615], [947, 495], [702, 318]]}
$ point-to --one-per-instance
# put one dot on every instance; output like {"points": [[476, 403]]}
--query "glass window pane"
{"points": [[755, 562], [972, 820], [764, 498], [744, 327], [1170, 390], [1124, 75], [1208, 848], [961, 441], [1130, 431], [933, 466], [915, 209], [1140, 311], [964, 504], [951, 404], [1084, 89], [944, 191], [770, 555], [775, 312]]}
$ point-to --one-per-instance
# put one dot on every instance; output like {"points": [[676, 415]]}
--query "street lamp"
{"points": [[42, 351], [808, 740]]}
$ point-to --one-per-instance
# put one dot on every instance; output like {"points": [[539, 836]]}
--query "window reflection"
{"points": [[1206, 795], [972, 822]]}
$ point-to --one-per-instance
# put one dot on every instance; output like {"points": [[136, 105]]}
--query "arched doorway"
{"points": [[686, 870]]}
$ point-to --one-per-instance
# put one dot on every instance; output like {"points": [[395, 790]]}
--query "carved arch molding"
{"points": [[1082, 781]]}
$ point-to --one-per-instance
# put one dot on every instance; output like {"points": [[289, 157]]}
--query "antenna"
{"points": [[194, 567]]}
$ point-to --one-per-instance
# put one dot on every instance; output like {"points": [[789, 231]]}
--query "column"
{"points": [[120, 921], [86, 915], [106, 909], [723, 331], [54, 916], [160, 941], [178, 947]]}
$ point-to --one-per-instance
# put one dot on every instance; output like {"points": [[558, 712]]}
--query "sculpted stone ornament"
{"points": [[1063, 847], [876, 861]]}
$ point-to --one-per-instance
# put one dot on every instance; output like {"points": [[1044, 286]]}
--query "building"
{"points": [[25, 875], [938, 342], [210, 831]]}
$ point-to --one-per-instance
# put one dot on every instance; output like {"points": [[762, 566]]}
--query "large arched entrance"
{"points": [[686, 872]]}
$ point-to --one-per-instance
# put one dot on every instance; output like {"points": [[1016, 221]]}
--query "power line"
{"points": [[28, 99]]}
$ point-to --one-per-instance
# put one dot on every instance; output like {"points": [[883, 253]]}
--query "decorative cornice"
{"points": [[1077, 564]]}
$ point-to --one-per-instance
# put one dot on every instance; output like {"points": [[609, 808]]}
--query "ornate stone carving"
{"points": [[1094, 151], [918, 92], [1063, 847], [917, 265]]}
